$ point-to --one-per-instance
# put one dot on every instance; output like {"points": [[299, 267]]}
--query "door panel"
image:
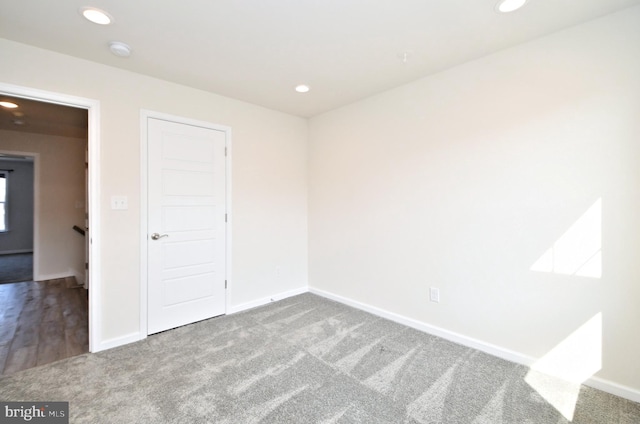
{"points": [[188, 218], [186, 208], [178, 255]]}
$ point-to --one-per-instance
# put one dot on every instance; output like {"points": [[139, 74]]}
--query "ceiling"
{"points": [[43, 118], [259, 50]]}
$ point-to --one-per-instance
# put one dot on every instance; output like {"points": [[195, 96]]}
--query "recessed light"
{"points": [[96, 16], [8, 105], [302, 88], [506, 6], [120, 49]]}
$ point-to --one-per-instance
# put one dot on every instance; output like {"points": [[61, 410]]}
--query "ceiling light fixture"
{"points": [[120, 49], [8, 105], [96, 16], [302, 88], [506, 6]]}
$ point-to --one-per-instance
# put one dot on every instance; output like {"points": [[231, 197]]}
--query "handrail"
{"points": [[79, 230]]}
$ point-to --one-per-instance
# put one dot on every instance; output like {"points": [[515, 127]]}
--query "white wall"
{"points": [[19, 238], [269, 208], [463, 180], [61, 197]]}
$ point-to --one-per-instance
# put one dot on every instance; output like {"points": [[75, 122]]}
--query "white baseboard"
{"points": [[260, 302], [13, 252], [137, 336], [118, 341], [614, 388], [500, 352], [47, 277], [79, 276]]}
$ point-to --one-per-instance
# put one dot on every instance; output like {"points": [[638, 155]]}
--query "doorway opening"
{"points": [[54, 313], [16, 215]]}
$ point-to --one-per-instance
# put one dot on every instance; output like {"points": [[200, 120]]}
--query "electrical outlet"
{"points": [[278, 272], [434, 294]]}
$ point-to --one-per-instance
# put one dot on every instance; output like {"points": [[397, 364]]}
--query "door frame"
{"points": [[144, 205], [93, 197]]}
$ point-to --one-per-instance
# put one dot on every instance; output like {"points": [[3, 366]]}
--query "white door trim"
{"points": [[93, 109], [144, 203]]}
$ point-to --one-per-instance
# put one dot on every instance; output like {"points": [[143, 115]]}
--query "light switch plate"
{"points": [[119, 203]]}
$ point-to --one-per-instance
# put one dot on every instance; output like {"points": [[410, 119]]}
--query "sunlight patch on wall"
{"points": [[578, 250], [557, 376]]}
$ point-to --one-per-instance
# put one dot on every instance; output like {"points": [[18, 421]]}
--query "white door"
{"points": [[186, 224]]}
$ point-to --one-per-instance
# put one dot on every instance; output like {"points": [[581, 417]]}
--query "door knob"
{"points": [[156, 236]]}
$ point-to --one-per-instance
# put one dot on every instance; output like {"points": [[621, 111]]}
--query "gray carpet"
{"points": [[301, 360], [16, 268]]}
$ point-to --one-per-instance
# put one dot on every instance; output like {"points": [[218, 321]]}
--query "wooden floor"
{"points": [[41, 322]]}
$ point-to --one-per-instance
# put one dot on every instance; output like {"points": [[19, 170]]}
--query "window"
{"points": [[4, 179]]}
